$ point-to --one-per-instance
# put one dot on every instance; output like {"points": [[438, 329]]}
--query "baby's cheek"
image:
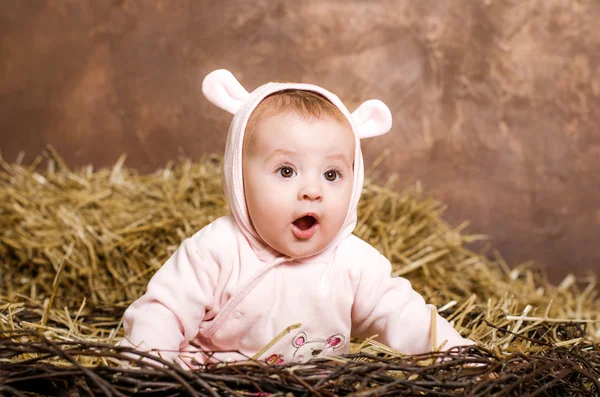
{"points": [[337, 220], [341, 201], [274, 204]]}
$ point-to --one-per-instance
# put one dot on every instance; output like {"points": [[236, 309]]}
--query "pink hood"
{"points": [[220, 87]]}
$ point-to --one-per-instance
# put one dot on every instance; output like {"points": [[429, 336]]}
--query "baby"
{"points": [[293, 173]]}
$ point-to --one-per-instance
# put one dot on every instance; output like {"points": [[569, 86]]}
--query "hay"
{"points": [[76, 247], [123, 226]]}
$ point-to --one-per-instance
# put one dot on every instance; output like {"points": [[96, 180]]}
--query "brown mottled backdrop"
{"points": [[495, 103]]}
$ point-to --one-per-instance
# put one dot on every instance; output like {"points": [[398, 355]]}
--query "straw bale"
{"points": [[76, 247]]}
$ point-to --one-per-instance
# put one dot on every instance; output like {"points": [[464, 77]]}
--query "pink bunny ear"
{"points": [[223, 90], [372, 118]]}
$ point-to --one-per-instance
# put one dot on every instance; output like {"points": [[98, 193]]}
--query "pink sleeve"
{"points": [[176, 300], [391, 308]]}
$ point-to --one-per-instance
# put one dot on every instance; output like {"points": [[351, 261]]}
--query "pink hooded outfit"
{"points": [[225, 291]]}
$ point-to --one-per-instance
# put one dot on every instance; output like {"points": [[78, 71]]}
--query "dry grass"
{"points": [[77, 247]]}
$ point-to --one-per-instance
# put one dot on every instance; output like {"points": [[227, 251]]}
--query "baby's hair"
{"points": [[307, 104]]}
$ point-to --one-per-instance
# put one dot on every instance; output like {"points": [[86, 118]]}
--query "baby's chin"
{"points": [[299, 251]]}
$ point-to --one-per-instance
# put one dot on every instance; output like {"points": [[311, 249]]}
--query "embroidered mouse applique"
{"points": [[307, 348]]}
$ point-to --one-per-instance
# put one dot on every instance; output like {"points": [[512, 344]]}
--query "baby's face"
{"points": [[298, 177]]}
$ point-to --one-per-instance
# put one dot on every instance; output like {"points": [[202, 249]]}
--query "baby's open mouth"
{"points": [[306, 226], [305, 222]]}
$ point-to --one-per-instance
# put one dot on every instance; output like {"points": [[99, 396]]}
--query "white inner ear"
{"points": [[372, 118], [223, 90]]}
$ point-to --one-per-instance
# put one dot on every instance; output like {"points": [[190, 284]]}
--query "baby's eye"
{"points": [[331, 175], [286, 172]]}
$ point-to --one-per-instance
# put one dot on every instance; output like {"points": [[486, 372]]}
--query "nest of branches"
{"points": [[76, 247]]}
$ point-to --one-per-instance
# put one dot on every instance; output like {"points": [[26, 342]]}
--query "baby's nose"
{"points": [[312, 194], [311, 190]]}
